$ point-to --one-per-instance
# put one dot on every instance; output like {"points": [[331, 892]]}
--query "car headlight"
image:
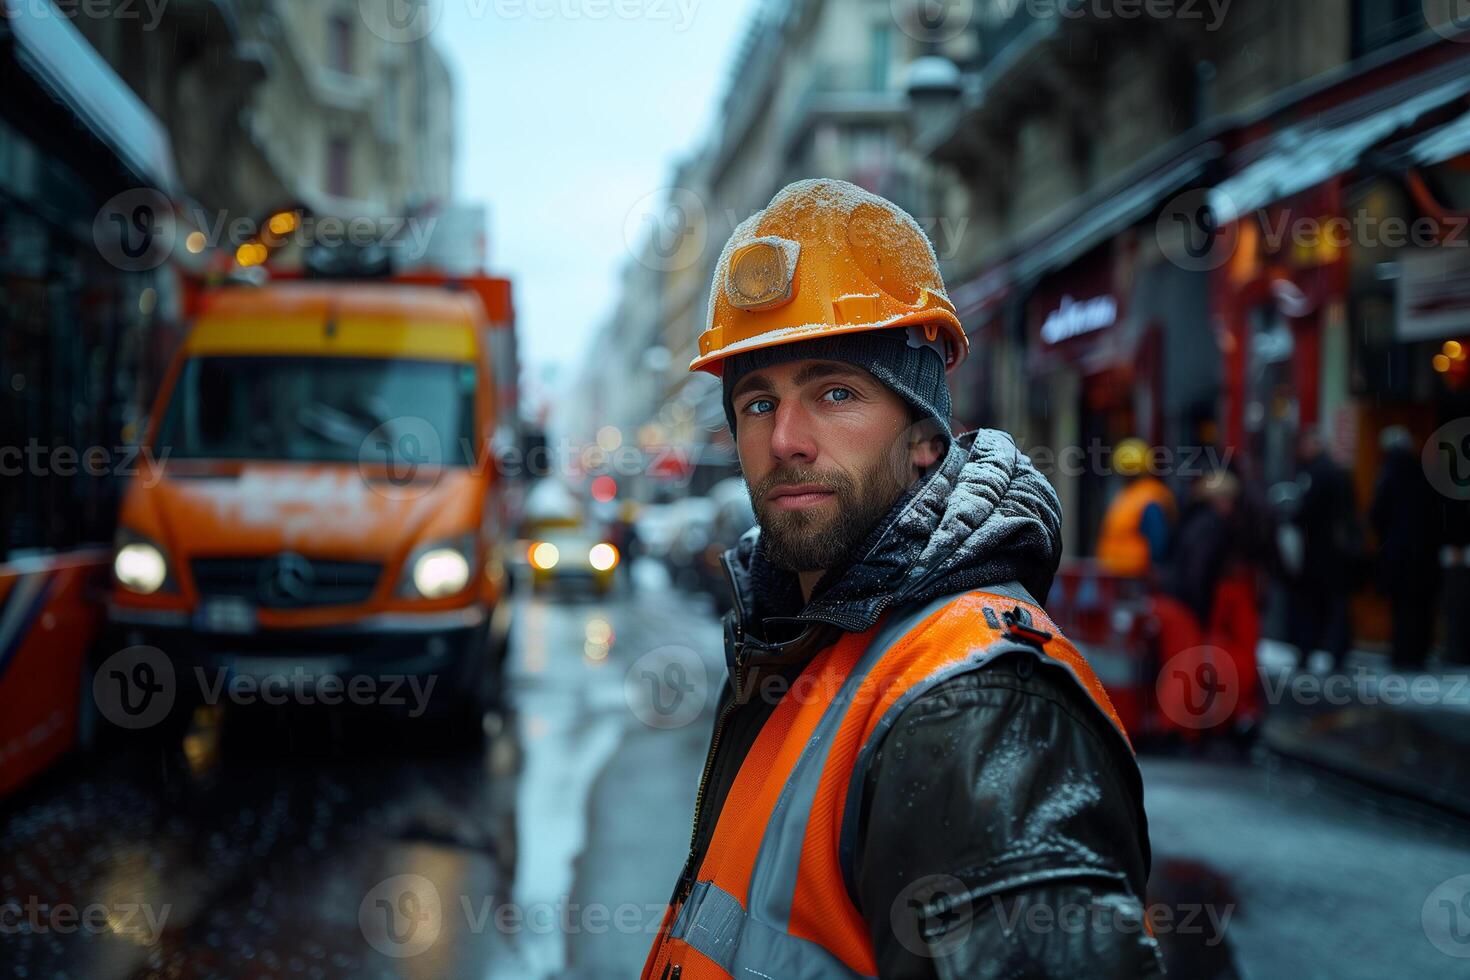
{"points": [[439, 569], [602, 556], [544, 555], [139, 565], [440, 572]]}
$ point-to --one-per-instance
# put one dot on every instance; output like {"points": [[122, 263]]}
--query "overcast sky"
{"points": [[569, 114]]}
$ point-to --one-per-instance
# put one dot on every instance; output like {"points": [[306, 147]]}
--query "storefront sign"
{"points": [[1433, 293], [1073, 318]]}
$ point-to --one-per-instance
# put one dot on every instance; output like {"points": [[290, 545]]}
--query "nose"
{"points": [[791, 433]]}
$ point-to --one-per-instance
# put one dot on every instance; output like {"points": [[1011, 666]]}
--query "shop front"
{"points": [[1087, 391]]}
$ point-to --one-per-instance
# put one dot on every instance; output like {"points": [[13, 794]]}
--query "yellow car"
{"points": [[569, 552]]}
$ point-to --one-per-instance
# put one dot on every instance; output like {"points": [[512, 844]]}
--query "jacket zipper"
{"points": [[686, 877]]}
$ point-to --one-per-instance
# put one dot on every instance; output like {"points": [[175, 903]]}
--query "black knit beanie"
{"points": [[912, 368]]}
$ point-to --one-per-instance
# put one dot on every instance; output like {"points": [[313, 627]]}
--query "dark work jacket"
{"points": [[1006, 777]]}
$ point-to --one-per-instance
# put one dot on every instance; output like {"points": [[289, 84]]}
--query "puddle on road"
{"points": [[1192, 906]]}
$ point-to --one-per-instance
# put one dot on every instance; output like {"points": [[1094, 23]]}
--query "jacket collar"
{"points": [[984, 515]]}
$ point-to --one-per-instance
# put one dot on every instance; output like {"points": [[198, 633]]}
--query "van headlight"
{"points": [[439, 570], [139, 565]]}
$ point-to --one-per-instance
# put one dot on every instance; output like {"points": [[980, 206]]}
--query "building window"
{"points": [[339, 40], [339, 166], [882, 44]]}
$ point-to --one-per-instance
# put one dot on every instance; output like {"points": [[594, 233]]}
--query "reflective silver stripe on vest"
{"points": [[757, 943], [713, 922]]}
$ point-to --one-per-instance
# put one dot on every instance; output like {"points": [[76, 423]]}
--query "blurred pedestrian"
{"points": [[1408, 517], [1134, 538], [904, 733], [628, 544], [1212, 575], [1322, 576]]}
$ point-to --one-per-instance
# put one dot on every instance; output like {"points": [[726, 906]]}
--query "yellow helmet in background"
{"points": [[825, 257], [1130, 457]]}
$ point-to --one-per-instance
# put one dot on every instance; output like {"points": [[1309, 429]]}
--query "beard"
{"points": [[819, 538]]}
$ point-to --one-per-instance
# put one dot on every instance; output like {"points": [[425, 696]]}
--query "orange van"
{"points": [[319, 517]]}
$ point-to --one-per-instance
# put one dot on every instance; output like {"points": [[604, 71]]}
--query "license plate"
{"points": [[226, 614]]}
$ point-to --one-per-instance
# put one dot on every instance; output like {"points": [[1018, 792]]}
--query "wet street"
{"points": [[303, 845]]}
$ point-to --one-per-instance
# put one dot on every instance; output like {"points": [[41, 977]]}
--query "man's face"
{"points": [[826, 450]]}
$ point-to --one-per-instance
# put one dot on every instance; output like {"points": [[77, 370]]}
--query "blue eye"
{"points": [[751, 409], [845, 393]]}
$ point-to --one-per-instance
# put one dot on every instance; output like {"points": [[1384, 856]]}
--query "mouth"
{"points": [[799, 496]]}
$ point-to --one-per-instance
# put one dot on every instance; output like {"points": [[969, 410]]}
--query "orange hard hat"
{"points": [[825, 257]]}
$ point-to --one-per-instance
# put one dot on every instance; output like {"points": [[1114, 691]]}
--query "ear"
{"points": [[925, 450]]}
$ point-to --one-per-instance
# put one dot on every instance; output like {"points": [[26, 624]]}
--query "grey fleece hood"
{"points": [[985, 515]]}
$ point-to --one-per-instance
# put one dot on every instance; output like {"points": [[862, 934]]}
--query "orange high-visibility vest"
{"points": [[1121, 547], [774, 894]]}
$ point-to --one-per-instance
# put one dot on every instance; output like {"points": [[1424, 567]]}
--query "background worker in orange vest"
{"points": [[912, 773], [1135, 533]]}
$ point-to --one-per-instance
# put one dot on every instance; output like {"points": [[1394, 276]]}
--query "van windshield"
{"points": [[321, 409]]}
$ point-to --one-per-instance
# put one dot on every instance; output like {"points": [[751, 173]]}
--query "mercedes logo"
{"points": [[288, 579]]}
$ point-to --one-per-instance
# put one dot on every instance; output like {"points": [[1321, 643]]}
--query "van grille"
{"points": [[287, 580]]}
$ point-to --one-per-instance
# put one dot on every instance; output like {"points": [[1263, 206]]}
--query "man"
{"points": [[1331, 553], [1409, 519], [912, 774], [1134, 539]]}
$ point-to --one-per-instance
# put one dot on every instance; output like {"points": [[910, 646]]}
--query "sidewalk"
{"points": [[1408, 733]]}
